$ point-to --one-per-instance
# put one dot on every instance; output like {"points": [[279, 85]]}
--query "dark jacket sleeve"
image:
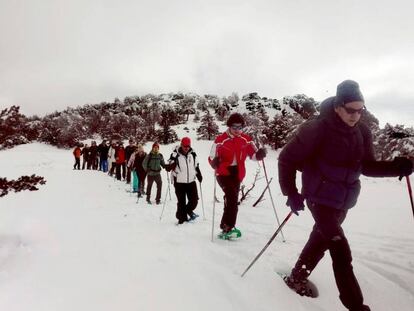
{"points": [[300, 149], [371, 167]]}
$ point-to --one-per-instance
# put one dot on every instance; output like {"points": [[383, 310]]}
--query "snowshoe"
{"points": [[193, 216], [303, 287], [230, 235]]}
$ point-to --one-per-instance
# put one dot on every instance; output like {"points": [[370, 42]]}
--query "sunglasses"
{"points": [[236, 127], [353, 111]]}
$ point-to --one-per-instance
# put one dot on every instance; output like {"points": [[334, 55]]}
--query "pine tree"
{"points": [[208, 129], [281, 128], [301, 104], [13, 127]]}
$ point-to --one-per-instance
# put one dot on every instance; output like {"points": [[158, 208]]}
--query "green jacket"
{"points": [[152, 163]]}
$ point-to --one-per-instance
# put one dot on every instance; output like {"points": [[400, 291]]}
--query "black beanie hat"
{"points": [[235, 118], [346, 92]]}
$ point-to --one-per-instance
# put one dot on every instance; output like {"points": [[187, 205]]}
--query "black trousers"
{"points": [[327, 234], [141, 177], [231, 187], [77, 164], [187, 197], [158, 182], [84, 162], [120, 166]]}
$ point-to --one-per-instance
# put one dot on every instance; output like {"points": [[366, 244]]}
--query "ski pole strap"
{"points": [[268, 243]]}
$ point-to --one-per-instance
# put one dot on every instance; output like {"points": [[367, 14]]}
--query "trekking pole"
{"points": [[268, 243], [168, 180], [271, 199], [410, 192], [214, 208], [166, 194], [202, 201]]}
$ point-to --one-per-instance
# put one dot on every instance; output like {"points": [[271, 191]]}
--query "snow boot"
{"points": [[298, 279]]}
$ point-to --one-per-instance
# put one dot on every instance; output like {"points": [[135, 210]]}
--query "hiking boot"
{"points": [[149, 201], [181, 221], [298, 279], [158, 202]]}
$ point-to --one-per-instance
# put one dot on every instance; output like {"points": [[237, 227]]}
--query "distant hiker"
{"points": [[77, 154], [93, 156], [120, 161], [85, 156], [103, 150], [152, 164], [128, 152], [227, 156], [111, 158], [138, 172], [332, 151], [185, 169]]}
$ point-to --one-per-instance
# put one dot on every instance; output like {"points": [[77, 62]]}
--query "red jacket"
{"points": [[77, 152], [227, 148], [120, 155]]}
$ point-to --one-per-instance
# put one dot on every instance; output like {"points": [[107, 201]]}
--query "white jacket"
{"points": [[186, 166], [111, 155]]}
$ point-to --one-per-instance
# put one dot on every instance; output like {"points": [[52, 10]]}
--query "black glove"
{"points": [[403, 166], [295, 202], [169, 167], [199, 176], [215, 163], [261, 154]]}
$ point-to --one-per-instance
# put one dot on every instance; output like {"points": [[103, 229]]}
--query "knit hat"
{"points": [[155, 145], [235, 118], [346, 92], [186, 141]]}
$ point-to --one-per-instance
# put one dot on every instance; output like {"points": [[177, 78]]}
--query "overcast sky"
{"points": [[59, 53]]}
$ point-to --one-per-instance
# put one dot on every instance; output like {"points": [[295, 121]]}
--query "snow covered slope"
{"points": [[83, 243]]}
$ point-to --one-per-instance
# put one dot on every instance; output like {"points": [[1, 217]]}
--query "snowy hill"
{"points": [[83, 243]]}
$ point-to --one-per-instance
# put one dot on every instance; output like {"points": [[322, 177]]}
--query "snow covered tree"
{"points": [[13, 126], [208, 129], [255, 128], [169, 116], [202, 104], [222, 112], [165, 135], [394, 141], [196, 116], [281, 128], [232, 100], [302, 104]]}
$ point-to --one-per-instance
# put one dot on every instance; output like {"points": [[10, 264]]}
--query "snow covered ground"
{"points": [[83, 243]]}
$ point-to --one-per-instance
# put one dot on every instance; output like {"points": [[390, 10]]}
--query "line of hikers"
{"points": [[146, 168], [331, 150]]}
